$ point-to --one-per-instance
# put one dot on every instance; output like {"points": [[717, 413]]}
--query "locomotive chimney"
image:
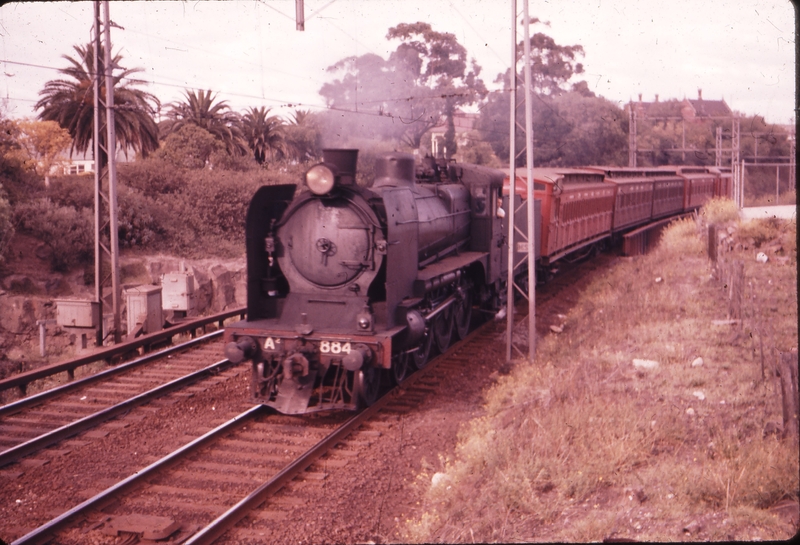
{"points": [[345, 161]]}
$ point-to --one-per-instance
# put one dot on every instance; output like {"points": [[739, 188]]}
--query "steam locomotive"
{"points": [[348, 284]]}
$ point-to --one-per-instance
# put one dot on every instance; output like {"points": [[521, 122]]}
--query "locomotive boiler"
{"points": [[348, 284]]}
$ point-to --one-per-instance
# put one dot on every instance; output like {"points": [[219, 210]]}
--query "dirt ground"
{"points": [[368, 501]]}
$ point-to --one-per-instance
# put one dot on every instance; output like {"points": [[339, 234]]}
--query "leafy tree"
{"points": [[6, 225], [67, 231], [439, 66], [302, 135], [190, 146], [558, 123], [597, 131], [14, 174], [422, 83], [70, 103], [200, 109], [478, 151], [44, 141], [12, 154], [569, 130], [264, 134], [552, 65]]}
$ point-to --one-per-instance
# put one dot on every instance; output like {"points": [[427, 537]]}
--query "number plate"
{"points": [[334, 347]]}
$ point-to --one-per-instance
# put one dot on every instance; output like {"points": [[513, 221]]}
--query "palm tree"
{"points": [[303, 135], [264, 134], [70, 103], [199, 109]]}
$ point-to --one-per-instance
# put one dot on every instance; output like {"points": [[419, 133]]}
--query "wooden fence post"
{"points": [[787, 371]]}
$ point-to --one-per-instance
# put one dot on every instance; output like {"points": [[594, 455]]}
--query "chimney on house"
{"points": [[699, 94], [640, 97], [656, 97]]}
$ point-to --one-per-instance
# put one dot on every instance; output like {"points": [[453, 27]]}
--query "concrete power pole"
{"points": [[105, 167]]}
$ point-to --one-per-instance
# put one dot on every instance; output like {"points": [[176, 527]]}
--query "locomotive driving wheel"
{"points": [[462, 312], [369, 379], [423, 350], [402, 367], [443, 329]]}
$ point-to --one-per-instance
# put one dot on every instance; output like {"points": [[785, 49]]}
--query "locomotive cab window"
{"points": [[480, 206]]}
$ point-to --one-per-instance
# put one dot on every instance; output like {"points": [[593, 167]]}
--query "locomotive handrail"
{"points": [[22, 380]]}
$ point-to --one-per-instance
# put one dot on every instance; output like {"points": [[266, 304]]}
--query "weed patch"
{"points": [[582, 444]]}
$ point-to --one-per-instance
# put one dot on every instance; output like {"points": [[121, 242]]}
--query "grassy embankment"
{"points": [[583, 444]]}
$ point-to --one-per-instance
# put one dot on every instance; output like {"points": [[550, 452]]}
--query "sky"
{"points": [[250, 53]]}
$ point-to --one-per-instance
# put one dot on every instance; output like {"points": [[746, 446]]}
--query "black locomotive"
{"points": [[347, 284]]}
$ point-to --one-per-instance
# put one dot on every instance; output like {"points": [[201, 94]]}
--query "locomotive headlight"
{"points": [[319, 179], [364, 320]]}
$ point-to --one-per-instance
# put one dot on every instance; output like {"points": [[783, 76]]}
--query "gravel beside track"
{"points": [[361, 491]]}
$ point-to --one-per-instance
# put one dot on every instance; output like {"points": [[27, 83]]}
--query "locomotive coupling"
{"points": [[238, 350], [296, 364]]}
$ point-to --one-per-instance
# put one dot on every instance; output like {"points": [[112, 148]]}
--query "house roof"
{"points": [[710, 108]]}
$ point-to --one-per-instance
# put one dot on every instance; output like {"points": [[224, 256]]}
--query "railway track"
{"points": [[200, 490], [39, 421], [207, 488]]}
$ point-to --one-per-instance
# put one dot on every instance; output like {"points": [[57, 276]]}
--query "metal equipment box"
{"points": [[178, 291], [77, 313], [144, 308]]}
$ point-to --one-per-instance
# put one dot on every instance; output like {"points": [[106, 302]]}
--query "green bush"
{"points": [[190, 147], [67, 231], [681, 237], [139, 221], [720, 210], [759, 231], [215, 203], [152, 176], [76, 191], [6, 227]]}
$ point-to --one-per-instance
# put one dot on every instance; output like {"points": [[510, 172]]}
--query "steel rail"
{"points": [[15, 406], [228, 519], [22, 380], [224, 522], [68, 430], [232, 516], [42, 534]]}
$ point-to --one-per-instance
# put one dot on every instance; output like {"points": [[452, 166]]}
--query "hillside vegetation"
{"points": [[651, 417]]}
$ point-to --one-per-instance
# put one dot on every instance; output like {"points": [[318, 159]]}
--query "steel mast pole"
{"points": [[529, 174], [512, 180], [111, 148], [98, 178]]}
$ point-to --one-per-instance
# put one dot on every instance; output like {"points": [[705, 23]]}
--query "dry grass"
{"points": [[581, 444], [720, 210]]}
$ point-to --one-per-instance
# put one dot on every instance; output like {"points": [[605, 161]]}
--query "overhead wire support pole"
{"points": [[300, 17], [98, 178], [105, 167], [529, 190], [111, 152], [529, 234], [512, 181]]}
